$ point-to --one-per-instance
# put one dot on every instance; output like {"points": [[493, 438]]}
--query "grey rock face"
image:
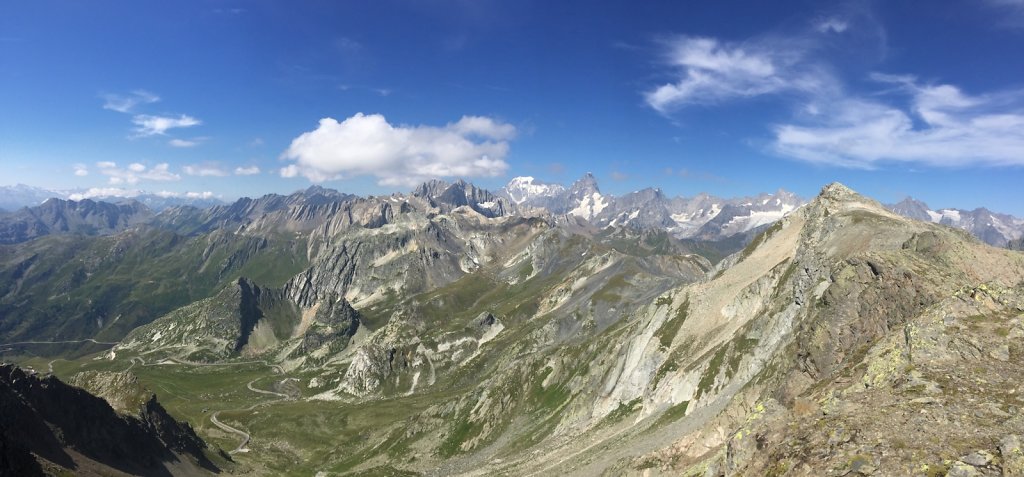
{"points": [[911, 208], [1012, 454], [446, 197], [47, 417], [334, 323]]}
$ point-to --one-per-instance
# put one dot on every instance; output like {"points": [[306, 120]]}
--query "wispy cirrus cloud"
{"points": [[942, 127], [367, 145], [1012, 12], [891, 119], [186, 143], [834, 25], [711, 71], [136, 172], [126, 103], [149, 125]]}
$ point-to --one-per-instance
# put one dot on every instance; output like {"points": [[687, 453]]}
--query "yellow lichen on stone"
{"points": [[884, 367]]}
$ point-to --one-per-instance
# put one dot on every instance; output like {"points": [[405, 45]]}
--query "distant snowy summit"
{"points": [[992, 228], [527, 189], [702, 216]]}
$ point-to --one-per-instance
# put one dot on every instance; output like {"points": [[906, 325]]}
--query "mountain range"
{"points": [[702, 217], [992, 228], [538, 330], [14, 197]]}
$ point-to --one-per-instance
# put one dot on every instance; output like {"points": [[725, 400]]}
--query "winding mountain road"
{"points": [[246, 437]]}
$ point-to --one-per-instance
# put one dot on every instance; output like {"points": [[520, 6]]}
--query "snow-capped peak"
{"points": [[525, 188]]}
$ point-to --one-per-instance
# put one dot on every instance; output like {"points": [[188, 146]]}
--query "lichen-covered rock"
{"points": [[1012, 455]]}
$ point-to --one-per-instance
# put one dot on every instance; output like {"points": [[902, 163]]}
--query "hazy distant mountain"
{"points": [[911, 208], [17, 196], [992, 228], [59, 216], [158, 202]]}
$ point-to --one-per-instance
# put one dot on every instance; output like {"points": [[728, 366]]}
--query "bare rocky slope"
{"points": [[453, 337], [843, 340], [48, 427]]}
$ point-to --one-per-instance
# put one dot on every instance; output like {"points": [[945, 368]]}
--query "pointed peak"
{"points": [[588, 181], [837, 197], [430, 188], [908, 200], [315, 190], [839, 192]]}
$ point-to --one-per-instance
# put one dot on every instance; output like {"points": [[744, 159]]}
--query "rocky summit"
{"points": [[537, 330]]}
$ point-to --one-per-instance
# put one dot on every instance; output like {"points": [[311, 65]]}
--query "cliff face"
{"points": [[44, 422]]}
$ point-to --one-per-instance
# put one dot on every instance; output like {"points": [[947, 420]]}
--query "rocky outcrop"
{"points": [[446, 197], [333, 325], [49, 418], [121, 390]]}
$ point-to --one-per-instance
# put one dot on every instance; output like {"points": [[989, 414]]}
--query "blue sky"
{"points": [[238, 98]]}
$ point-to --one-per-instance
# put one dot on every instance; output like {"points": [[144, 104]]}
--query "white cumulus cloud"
{"points": [[136, 172], [247, 171], [148, 125], [367, 145], [101, 192], [81, 170]]}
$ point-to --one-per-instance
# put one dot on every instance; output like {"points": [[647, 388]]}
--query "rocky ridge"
{"points": [[548, 344], [47, 426], [824, 317]]}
